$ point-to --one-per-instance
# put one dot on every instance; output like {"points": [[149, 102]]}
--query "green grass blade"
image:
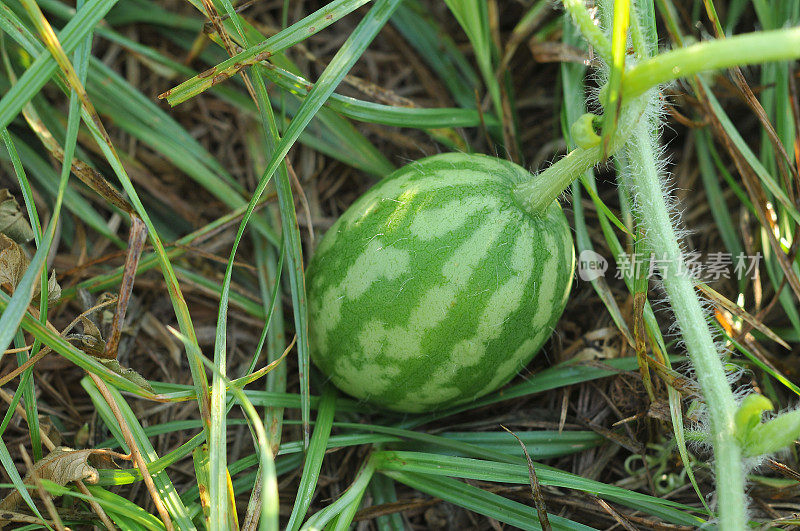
{"points": [[47, 179], [351, 497], [716, 201], [473, 17], [13, 404], [29, 391], [760, 364], [269, 276], [11, 24], [335, 136], [542, 444], [11, 471], [269, 496], [313, 462], [769, 181], [440, 465], [117, 506], [166, 489], [646, 11], [364, 111], [437, 48], [466, 448], [295, 33], [552, 378], [481, 501], [29, 394], [15, 309], [44, 66], [382, 489]]}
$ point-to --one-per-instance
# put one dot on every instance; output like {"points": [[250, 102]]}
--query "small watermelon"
{"points": [[436, 286]]}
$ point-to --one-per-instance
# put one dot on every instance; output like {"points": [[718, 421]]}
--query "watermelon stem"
{"points": [[538, 192]]}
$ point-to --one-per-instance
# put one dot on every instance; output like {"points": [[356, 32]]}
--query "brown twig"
{"points": [[98, 510], [136, 240], [621, 520], [137, 455], [17, 350]]}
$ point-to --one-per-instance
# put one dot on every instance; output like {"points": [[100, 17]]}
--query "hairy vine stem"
{"points": [[636, 133], [645, 184]]}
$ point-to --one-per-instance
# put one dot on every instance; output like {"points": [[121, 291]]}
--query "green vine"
{"points": [[736, 431]]}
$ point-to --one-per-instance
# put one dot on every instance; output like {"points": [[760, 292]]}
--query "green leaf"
{"points": [[773, 435], [748, 416], [364, 111]]}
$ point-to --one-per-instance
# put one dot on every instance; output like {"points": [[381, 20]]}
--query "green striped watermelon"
{"points": [[436, 287]]}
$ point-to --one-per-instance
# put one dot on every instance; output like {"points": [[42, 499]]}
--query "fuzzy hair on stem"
{"points": [[637, 136], [648, 190], [642, 178]]}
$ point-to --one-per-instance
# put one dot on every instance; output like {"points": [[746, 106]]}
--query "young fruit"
{"points": [[436, 287]]}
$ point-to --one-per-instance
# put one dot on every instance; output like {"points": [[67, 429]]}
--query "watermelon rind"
{"points": [[436, 286]]}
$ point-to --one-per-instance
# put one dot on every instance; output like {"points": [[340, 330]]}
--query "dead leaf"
{"points": [[596, 352], [13, 263], [91, 340], [12, 221], [660, 410], [64, 465], [53, 288]]}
